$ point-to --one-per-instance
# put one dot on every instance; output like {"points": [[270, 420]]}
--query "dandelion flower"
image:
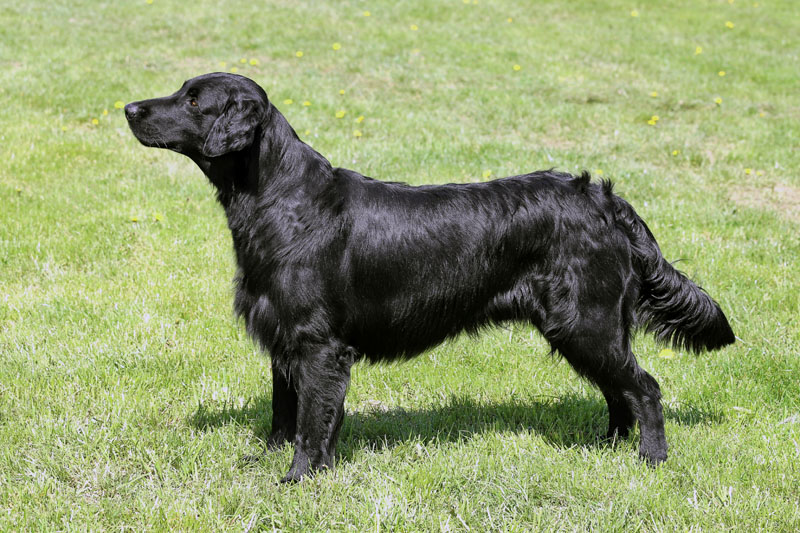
{"points": [[414, 27], [306, 103], [307, 132], [366, 13], [517, 67], [654, 94], [254, 62], [509, 19], [748, 171], [651, 122], [360, 119], [675, 152], [223, 64], [299, 53], [698, 50], [119, 104], [234, 70], [729, 24], [666, 353], [158, 217], [487, 173], [341, 91], [243, 61], [654, 118], [599, 171], [634, 13], [134, 218], [341, 113], [356, 133], [105, 112], [721, 73], [63, 128], [336, 46], [288, 101], [759, 172], [95, 121], [148, 1], [718, 100], [762, 114]]}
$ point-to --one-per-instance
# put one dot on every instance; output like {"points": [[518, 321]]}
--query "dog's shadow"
{"points": [[564, 422]]}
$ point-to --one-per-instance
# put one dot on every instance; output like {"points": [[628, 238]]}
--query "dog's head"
{"points": [[209, 116]]}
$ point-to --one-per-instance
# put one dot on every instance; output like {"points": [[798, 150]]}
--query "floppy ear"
{"points": [[235, 128]]}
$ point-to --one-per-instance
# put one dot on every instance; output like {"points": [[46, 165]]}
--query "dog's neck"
{"points": [[276, 157]]}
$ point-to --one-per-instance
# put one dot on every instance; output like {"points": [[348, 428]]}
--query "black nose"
{"points": [[133, 111]]}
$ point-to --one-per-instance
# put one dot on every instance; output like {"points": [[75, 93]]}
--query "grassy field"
{"points": [[129, 394]]}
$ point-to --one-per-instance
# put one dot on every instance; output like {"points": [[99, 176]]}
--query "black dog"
{"points": [[335, 267]]}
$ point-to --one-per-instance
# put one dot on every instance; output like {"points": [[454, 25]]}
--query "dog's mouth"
{"points": [[148, 136]]}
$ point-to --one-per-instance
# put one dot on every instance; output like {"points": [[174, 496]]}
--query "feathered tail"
{"points": [[670, 305]]}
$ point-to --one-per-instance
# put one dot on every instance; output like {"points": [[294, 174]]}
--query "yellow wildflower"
{"points": [[253, 61], [651, 122], [306, 103], [243, 61], [721, 73], [748, 171], [487, 173], [299, 53], [288, 101], [105, 112], [654, 118], [517, 67], [509, 19], [223, 64], [698, 50], [341, 113], [148, 1], [718, 100], [360, 119], [729, 24], [654, 94], [414, 27], [357, 133], [234, 70], [336, 46], [158, 217], [119, 104], [366, 13], [759, 172], [134, 218], [95, 121], [675, 152], [666, 353], [341, 91], [634, 13]]}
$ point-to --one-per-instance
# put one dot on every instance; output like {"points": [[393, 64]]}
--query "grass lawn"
{"points": [[129, 394]]}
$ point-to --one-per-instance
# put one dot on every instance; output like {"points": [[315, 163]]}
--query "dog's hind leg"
{"points": [[603, 355], [620, 415], [284, 409], [321, 377]]}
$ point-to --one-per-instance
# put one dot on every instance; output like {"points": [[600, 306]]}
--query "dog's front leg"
{"points": [[321, 378], [284, 408]]}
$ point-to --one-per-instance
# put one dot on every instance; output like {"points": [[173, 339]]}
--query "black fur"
{"points": [[335, 267]]}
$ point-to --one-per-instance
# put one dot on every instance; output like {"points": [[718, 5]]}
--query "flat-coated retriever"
{"points": [[335, 267]]}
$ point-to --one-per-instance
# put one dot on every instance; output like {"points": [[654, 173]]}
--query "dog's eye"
{"points": [[193, 102]]}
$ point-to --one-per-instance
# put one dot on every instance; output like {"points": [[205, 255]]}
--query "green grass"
{"points": [[129, 395]]}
